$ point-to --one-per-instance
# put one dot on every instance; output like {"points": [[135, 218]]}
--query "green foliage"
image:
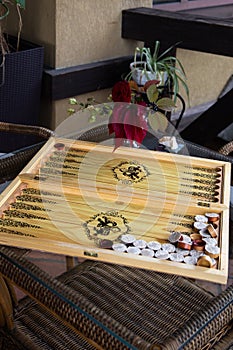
{"points": [[166, 104], [156, 118], [164, 64], [152, 93], [158, 121], [21, 3], [91, 105]]}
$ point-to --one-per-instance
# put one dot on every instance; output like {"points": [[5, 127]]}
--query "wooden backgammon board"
{"points": [[152, 210]]}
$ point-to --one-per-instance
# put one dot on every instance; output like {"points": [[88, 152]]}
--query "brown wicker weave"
{"points": [[26, 129], [227, 149], [12, 164], [115, 307]]}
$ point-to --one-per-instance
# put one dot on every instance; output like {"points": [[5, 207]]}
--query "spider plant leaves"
{"points": [[156, 51], [165, 53], [158, 63]]}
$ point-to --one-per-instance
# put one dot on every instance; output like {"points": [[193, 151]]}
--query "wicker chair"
{"points": [[227, 149], [14, 162], [104, 306], [113, 307]]}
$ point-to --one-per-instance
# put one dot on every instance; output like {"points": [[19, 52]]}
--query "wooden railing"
{"points": [[194, 32], [72, 81]]}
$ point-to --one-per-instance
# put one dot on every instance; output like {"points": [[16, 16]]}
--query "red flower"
{"points": [[116, 124], [121, 92], [128, 119], [135, 124], [127, 122]]}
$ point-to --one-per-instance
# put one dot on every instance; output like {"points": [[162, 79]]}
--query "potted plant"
{"points": [[21, 69], [149, 65]]}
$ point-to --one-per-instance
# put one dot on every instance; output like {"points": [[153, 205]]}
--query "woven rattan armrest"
{"points": [[227, 149], [11, 164], [40, 131], [204, 152], [84, 299]]}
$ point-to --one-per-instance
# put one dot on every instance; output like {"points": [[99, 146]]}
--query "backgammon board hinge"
{"points": [[91, 254]]}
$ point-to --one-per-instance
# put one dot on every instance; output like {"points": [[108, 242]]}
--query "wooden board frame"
{"points": [[56, 244]]}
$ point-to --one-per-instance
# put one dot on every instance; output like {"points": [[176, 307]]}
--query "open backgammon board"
{"points": [[153, 210]]}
